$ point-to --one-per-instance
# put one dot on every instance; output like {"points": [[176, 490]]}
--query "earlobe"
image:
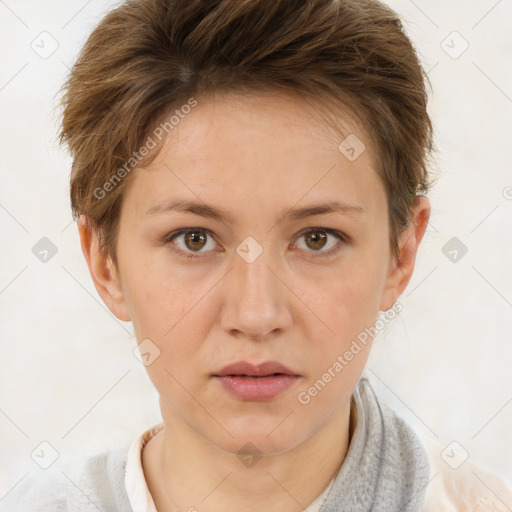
{"points": [[402, 266], [102, 270]]}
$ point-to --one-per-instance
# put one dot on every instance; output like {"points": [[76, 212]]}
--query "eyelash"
{"points": [[341, 236]]}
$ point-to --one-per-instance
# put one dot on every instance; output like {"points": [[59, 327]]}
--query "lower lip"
{"points": [[257, 389]]}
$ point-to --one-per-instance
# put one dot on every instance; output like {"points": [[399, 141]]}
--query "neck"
{"points": [[184, 471]]}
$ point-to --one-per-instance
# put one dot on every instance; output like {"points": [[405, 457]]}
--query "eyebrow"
{"points": [[209, 211]]}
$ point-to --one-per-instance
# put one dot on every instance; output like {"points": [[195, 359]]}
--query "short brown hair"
{"points": [[148, 56]]}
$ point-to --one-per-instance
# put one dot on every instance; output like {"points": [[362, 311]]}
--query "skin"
{"points": [[256, 157]]}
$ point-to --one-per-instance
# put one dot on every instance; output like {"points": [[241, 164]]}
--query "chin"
{"points": [[252, 434]]}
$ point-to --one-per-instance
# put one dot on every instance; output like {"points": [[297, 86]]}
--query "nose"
{"points": [[256, 304]]}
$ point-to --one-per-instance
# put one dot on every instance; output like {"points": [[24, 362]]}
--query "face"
{"points": [[231, 249]]}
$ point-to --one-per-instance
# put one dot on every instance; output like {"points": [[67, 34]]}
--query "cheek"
{"points": [[350, 300], [348, 306], [337, 358], [159, 295], [176, 315]]}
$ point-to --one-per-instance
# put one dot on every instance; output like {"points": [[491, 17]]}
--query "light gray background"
{"points": [[67, 372]]}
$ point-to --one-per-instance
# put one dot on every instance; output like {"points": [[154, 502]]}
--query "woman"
{"points": [[249, 180]]}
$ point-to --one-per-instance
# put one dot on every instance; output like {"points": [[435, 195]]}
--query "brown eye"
{"points": [[195, 240], [192, 240], [315, 239], [324, 241]]}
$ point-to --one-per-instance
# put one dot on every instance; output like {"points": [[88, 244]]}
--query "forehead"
{"points": [[264, 148], [275, 120]]}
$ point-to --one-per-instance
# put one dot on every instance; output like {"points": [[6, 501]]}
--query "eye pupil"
{"points": [[195, 237], [195, 240], [317, 237]]}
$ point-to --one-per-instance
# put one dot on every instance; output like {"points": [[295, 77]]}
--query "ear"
{"points": [[402, 267], [103, 271]]}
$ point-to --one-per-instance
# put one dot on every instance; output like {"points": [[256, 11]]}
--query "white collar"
{"points": [[135, 482]]}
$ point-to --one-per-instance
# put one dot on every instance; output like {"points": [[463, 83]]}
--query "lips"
{"points": [[256, 383], [244, 369]]}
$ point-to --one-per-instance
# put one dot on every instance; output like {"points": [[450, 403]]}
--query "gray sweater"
{"points": [[386, 469]]}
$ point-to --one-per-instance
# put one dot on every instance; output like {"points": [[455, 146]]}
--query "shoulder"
{"points": [[81, 485], [457, 483], [36, 493]]}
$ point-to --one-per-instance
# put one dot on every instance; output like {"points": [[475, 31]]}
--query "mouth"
{"points": [[256, 383], [254, 376], [245, 369]]}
